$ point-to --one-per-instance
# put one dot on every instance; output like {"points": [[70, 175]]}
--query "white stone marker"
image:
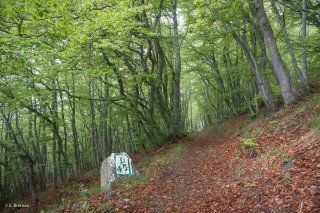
{"points": [[116, 165]]}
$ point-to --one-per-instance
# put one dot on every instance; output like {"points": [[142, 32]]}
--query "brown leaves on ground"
{"points": [[213, 175]]}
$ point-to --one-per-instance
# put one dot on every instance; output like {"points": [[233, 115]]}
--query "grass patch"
{"points": [[312, 103], [178, 149], [250, 128], [159, 161], [287, 178], [243, 127], [314, 123], [129, 182]]}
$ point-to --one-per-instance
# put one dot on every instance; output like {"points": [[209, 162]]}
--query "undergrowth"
{"points": [[249, 143], [314, 123], [179, 149], [148, 166], [130, 182], [311, 104]]}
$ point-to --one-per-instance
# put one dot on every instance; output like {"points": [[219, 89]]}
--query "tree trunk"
{"points": [[288, 43], [262, 82], [54, 139], [176, 74], [94, 132], [304, 61], [288, 89], [76, 149]]}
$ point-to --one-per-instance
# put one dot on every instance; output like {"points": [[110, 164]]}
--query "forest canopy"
{"points": [[80, 79]]}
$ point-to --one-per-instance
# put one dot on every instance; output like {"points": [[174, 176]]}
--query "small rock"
{"points": [[227, 186], [108, 196], [125, 207], [126, 200], [111, 208], [288, 165], [318, 166], [253, 154], [135, 172], [76, 207], [84, 192]]}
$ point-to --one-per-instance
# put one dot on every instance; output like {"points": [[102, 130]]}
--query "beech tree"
{"points": [[82, 79]]}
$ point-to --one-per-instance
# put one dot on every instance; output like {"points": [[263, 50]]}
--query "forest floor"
{"points": [[211, 172]]}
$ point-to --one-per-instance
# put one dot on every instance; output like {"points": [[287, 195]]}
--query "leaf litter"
{"points": [[213, 174]]}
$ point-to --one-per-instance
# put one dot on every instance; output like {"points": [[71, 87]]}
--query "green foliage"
{"points": [[287, 178], [249, 143], [286, 158], [82, 79]]}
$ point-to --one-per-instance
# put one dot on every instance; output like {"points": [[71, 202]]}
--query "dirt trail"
{"points": [[191, 182], [213, 175]]}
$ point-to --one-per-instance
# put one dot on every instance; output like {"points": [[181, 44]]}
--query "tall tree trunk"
{"points": [[54, 139], [94, 133], [177, 73], [288, 89], [110, 137], [76, 149], [64, 147], [55, 128], [32, 187], [43, 155], [304, 61], [262, 82], [104, 122], [288, 43], [221, 82]]}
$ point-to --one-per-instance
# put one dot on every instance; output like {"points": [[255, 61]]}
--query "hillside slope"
{"points": [[216, 174]]}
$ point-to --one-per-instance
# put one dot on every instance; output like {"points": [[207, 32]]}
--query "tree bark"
{"points": [[288, 89], [262, 82], [176, 74], [296, 68], [304, 58]]}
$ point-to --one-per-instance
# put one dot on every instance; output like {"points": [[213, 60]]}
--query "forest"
{"points": [[80, 79]]}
